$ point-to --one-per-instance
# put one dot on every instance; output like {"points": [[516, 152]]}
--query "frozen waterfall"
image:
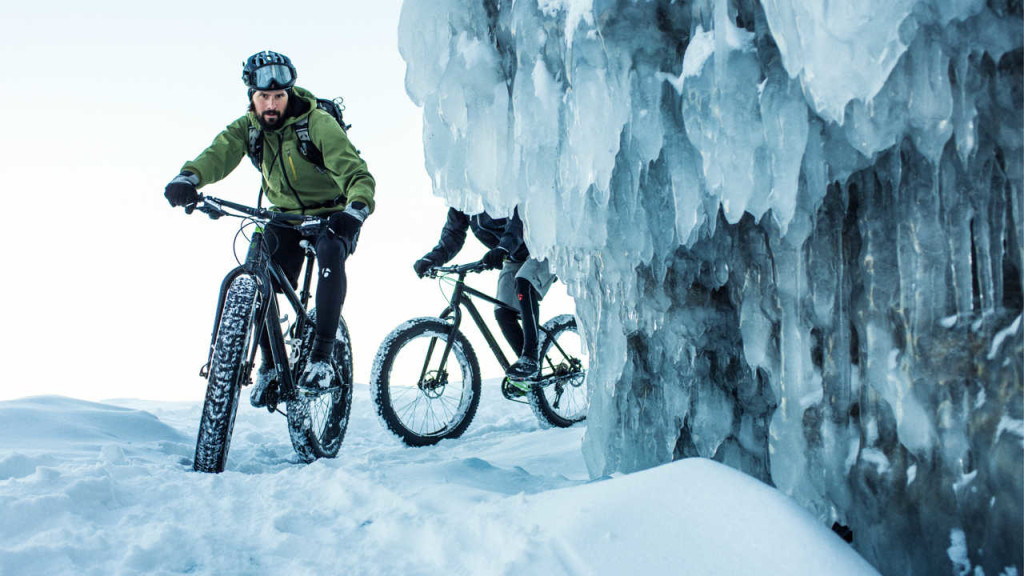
{"points": [[792, 231]]}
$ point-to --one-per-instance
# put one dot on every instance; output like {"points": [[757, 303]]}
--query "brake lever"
{"points": [[211, 209], [190, 208]]}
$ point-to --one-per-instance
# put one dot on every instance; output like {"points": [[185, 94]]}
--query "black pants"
{"points": [[331, 285]]}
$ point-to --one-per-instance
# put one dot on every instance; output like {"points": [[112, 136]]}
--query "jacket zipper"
{"points": [[292, 164], [284, 170]]}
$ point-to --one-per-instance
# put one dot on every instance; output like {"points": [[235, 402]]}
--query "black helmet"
{"points": [[268, 71]]}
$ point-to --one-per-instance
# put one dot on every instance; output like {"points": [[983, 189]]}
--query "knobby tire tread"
{"points": [[225, 374], [306, 442]]}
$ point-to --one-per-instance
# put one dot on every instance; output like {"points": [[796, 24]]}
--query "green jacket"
{"points": [[289, 181]]}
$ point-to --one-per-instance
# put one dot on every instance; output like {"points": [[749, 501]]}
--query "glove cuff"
{"points": [[186, 178], [358, 210]]}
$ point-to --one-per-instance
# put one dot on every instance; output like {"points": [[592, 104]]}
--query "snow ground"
{"points": [[107, 488]]}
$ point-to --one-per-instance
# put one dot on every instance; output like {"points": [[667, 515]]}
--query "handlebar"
{"points": [[461, 269], [217, 207]]}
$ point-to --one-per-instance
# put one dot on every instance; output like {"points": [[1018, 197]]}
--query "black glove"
{"points": [[346, 224], [182, 189], [422, 266], [495, 257]]}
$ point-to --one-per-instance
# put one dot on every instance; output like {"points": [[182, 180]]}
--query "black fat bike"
{"points": [[426, 378], [247, 305]]}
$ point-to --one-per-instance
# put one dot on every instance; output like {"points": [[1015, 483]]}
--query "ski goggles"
{"points": [[273, 77]]}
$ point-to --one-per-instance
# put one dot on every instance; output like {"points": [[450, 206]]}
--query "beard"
{"points": [[270, 119]]}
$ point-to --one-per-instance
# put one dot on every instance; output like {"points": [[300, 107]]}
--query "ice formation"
{"points": [[792, 231]]}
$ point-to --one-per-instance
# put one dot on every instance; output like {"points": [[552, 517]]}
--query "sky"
{"points": [[97, 489], [111, 293]]}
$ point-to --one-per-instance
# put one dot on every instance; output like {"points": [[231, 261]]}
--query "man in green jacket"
{"points": [[309, 166]]}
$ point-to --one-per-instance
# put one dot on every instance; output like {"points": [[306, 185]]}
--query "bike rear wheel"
{"points": [[234, 340], [317, 423], [559, 397], [417, 399]]}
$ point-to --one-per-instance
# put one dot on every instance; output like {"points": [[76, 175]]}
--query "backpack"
{"points": [[308, 151]]}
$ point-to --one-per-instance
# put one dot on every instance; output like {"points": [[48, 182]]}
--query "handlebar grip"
{"points": [[477, 266]]}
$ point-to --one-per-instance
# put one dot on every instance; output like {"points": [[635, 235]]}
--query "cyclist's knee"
{"points": [[505, 316], [525, 288], [329, 249]]}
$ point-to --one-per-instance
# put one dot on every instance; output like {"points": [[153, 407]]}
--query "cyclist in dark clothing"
{"points": [[522, 281]]}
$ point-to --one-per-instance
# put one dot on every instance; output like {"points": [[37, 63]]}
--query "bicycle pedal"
{"points": [[511, 391], [524, 383]]}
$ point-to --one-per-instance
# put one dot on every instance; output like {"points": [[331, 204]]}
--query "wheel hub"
{"points": [[433, 384]]}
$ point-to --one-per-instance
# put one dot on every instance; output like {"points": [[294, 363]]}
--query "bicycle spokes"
{"points": [[320, 408], [426, 382]]}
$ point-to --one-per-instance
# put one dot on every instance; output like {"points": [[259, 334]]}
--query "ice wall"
{"points": [[792, 230]]}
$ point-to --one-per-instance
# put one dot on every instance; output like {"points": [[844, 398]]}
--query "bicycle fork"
{"points": [[225, 285], [441, 378]]}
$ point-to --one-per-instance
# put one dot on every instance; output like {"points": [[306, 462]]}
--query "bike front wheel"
{"points": [[234, 340], [317, 423], [422, 393], [559, 397]]}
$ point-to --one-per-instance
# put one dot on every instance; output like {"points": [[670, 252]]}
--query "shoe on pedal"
{"points": [[319, 373], [524, 370], [266, 386], [318, 376]]}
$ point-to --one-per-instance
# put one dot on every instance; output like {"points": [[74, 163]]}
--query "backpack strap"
{"points": [[254, 146], [254, 150], [306, 147]]}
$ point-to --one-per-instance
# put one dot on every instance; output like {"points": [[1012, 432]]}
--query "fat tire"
{"points": [[538, 396], [227, 369], [317, 425], [381, 389]]}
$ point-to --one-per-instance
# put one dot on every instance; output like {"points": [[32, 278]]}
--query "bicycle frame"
{"points": [[270, 280], [461, 298]]}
